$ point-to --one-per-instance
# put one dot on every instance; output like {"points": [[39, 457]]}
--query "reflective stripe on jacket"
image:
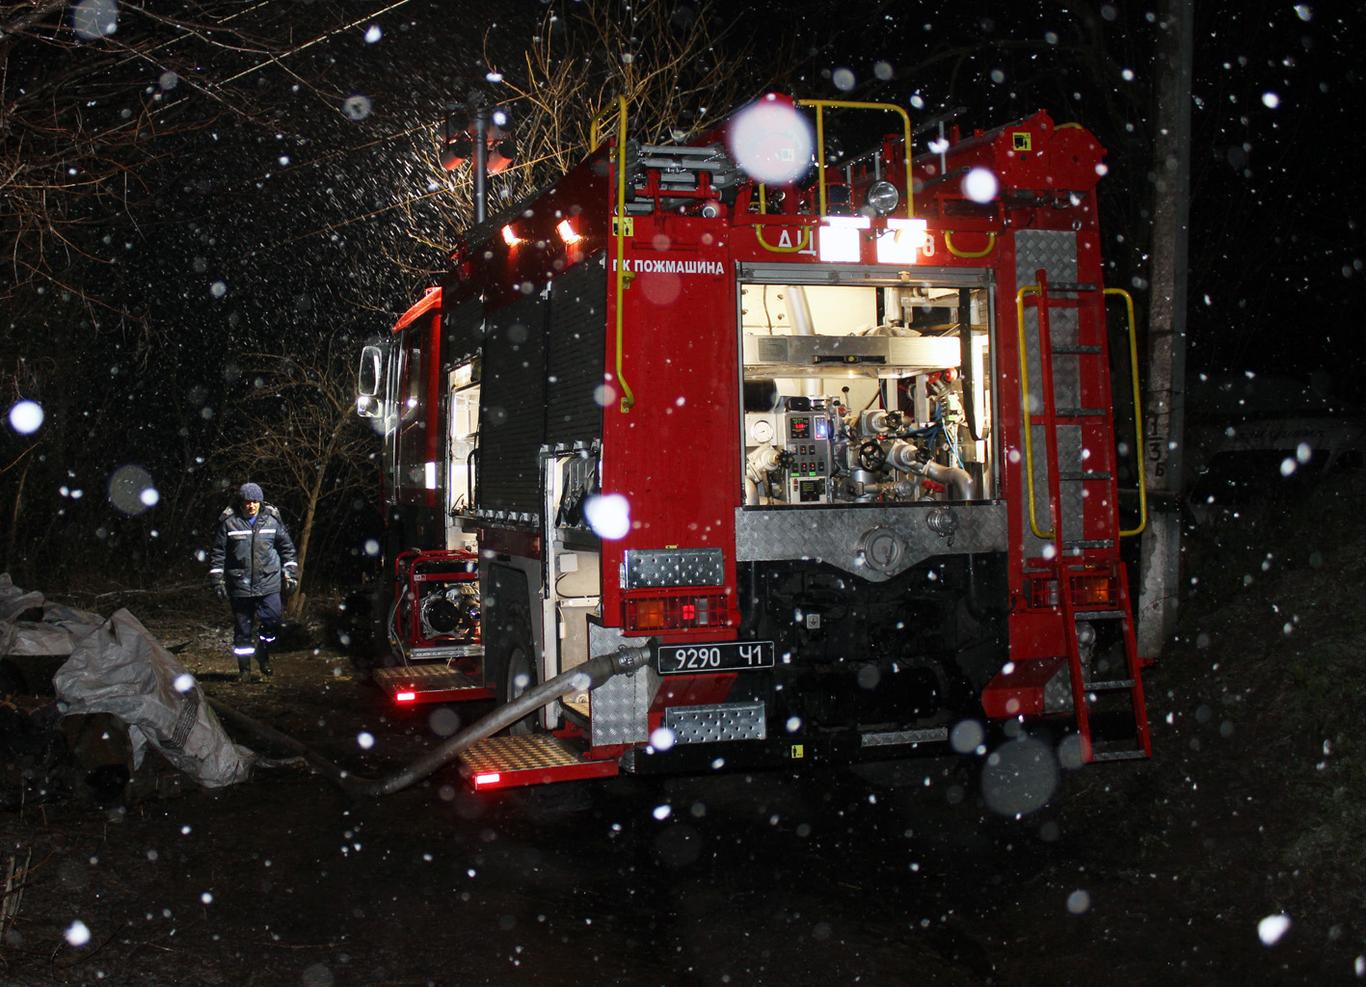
{"points": [[251, 557]]}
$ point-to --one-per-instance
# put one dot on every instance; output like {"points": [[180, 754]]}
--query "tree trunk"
{"points": [[1164, 414], [14, 517], [296, 602]]}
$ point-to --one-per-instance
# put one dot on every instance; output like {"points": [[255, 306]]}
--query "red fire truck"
{"points": [[836, 442]]}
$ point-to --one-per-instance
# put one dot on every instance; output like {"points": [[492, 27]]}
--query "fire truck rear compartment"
{"points": [[858, 393]]}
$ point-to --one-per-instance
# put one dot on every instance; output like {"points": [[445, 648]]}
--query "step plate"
{"points": [[1030, 688], [532, 759], [414, 684]]}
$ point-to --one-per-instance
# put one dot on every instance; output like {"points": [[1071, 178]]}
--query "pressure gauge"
{"points": [[761, 431]]}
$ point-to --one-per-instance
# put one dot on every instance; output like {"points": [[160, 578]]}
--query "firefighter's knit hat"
{"points": [[251, 491]]}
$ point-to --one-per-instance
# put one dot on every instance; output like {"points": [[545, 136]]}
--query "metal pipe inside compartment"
{"points": [[958, 482]]}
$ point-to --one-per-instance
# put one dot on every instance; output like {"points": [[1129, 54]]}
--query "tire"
{"points": [[517, 675]]}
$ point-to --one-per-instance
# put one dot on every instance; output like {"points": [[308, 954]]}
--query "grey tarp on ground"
{"points": [[54, 633], [122, 669]]}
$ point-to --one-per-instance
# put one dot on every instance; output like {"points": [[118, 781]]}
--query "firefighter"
{"points": [[252, 561]]}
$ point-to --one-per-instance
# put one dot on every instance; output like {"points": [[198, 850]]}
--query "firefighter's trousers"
{"points": [[248, 612]]}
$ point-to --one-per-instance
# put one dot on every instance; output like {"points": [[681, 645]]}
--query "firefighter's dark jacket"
{"points": [[250, 558]]}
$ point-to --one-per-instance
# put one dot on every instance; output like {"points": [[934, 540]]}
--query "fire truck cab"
{"points": [[838, 445]]}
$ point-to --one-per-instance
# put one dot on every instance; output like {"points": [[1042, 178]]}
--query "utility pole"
{"points": [[1164, 410]]}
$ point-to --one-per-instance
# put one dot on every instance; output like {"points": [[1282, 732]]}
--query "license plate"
{"points": [[733, 656]]}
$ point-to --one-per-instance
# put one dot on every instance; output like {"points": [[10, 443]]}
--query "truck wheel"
{"points": [[516, 677]]}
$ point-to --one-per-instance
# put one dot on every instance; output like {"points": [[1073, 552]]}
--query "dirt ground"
{"points": [[1249, 821]]}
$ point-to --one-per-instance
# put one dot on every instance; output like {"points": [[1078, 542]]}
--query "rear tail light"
{"points": [[487, 780], [645, 615], [1043, 592], [405, 697], [1090, 590], [676, 609]]}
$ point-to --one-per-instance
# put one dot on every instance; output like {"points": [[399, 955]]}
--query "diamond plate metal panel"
{"points": [[445, 651], [1066, 368], [519, 753], [892, 738], [1055, 251], [619, 706], [834, 534], [1070, 463], [674, 567], [1057, 692], [429, 676], [722, 721]]}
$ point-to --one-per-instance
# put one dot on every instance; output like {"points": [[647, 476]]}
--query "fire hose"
{"points": [[589, 675]]}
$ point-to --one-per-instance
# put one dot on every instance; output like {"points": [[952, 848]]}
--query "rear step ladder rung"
{"points": [[1109, 685], [1129, 754]]}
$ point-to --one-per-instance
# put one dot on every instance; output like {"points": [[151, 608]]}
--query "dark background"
{"points": [[255, 216]]}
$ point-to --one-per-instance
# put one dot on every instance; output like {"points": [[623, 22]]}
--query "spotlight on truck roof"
{"points": [[883, 197]]}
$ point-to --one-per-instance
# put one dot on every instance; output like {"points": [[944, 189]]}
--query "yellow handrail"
{"points": [[1138, 415], [821, 104], [594, 134], [803, 241], [1031, 289], [971, 254], [623, 279]]}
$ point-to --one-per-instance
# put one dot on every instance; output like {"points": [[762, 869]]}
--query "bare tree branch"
{"points": [[299, 424]]}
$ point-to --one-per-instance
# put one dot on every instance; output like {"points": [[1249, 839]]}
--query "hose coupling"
{"points": [[630, 658]]}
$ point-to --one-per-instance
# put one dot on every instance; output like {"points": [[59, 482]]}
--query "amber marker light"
{"points": [[566, 231]]}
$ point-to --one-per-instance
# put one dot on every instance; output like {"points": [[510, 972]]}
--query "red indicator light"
{"points": [[672, 609], [484, 780], [404, 697]]}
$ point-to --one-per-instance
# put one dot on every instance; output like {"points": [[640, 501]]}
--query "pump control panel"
{"points": [[808, 446]]}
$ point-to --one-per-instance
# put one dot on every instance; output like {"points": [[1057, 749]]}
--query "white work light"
{"points": [[883, 197]]}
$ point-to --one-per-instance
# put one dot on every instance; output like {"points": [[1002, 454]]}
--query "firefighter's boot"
{"points": [[263, 642], [244, 673]]}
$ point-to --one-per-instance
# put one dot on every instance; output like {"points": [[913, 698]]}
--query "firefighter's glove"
{"points": [[291, 584], [220, 589]]}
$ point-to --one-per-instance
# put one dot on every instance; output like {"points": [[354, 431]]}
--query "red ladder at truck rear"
{"points": [[1079, 575]]}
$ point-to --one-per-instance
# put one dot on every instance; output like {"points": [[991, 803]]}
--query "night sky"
{"points": [[282, 191]]}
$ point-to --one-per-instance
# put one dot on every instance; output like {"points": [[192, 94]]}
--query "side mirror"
{"points": [[370, 380]]}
